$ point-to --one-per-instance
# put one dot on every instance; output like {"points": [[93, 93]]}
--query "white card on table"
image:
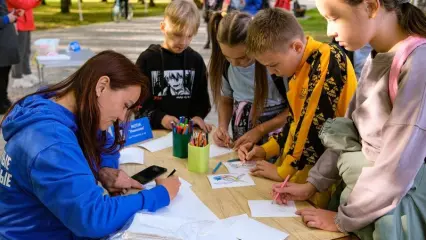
{"points": [[131, 155]]}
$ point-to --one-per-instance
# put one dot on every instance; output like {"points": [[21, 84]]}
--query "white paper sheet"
{"points": [[185, 205], [239, 167], [265, 208], [241, 227], [159, 143], [216, 151], [131, 155], [146, 225], [249, 229], [153, 226], [230, 180], [183, 184]]}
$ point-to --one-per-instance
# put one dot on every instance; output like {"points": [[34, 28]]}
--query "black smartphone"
{"points": [[148, 174]]}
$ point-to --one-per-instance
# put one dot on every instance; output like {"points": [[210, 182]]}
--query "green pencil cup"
{"points": [[198, 158], [180, 145]]}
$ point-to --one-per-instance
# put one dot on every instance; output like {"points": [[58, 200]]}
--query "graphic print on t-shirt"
{"points": [[173, 83]]}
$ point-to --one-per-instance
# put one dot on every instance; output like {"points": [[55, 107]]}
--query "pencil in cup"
{"points": [[183, 127], [199, 139], [198, 158]]}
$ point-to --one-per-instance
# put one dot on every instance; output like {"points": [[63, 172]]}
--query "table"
{"points": [[77, 59], [228, 202]]}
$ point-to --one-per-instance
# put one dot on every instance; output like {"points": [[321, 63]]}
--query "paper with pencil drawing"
{"points": [[239, 167], [230, 180], [265, 208]]}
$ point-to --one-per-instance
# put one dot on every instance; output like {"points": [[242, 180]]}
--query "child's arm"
{"points": [[7, 19], [225, 110], [255, 134], [275, 145], [200, 100], [325, 172]]}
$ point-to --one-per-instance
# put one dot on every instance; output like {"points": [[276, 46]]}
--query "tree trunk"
{"points": [[151, 3], [43, 2], [104, 1], [65, 6], [141, 1]]}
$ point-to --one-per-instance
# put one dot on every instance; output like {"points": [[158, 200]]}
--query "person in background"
{"points": [[284, 4], [360, 56], [9, 51], [229, 5], [21, 72], [210, 6]]}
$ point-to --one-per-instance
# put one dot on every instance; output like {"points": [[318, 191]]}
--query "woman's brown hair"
{"points": [[231, 30], [122, 73], [410, 18]]}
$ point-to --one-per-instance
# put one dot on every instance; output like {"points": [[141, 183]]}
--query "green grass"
{"points": [[315, 25], [94, 11]]}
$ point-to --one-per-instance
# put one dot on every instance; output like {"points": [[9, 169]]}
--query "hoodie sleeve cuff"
{"points": [[157, 118], [110, 162], [271, 148], [155, 198], [6, 20]]}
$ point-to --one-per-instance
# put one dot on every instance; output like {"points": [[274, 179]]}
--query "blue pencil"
{"points": [[217, 167]]}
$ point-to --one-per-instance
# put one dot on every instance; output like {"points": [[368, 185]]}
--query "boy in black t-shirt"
{"points": [[178, 73]]}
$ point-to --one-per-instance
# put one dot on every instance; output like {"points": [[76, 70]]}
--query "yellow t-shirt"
{"points": [[321, 88]]}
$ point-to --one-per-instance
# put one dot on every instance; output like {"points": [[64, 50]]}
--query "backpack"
{"points": [[401, 55]]}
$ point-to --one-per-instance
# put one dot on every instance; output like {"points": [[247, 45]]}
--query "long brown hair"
{"points": [[410, 18], [122, 73], [232, 31]]}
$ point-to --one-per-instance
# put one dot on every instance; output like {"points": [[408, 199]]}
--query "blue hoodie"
{"points": [[47, 190]]}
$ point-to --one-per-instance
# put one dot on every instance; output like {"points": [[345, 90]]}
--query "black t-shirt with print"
{"points": [[178, 84]]}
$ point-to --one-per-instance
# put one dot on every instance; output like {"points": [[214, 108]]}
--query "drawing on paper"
{"points": [[239, 167], [228, 179], [242, 165]]}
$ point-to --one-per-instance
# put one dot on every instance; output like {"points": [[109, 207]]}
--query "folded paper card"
{"points": [[131, 155]]}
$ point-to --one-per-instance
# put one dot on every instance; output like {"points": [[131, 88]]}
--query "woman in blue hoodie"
{"points": [[58, 149]]}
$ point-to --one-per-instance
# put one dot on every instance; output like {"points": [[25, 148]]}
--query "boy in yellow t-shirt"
{"points": [[321, 83]]}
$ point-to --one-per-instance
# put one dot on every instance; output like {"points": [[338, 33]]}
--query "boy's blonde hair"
{"points": [[183, 15], [270, 29]]}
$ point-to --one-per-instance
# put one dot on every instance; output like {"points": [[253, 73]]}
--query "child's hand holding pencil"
{"points": [[292, 192]]}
